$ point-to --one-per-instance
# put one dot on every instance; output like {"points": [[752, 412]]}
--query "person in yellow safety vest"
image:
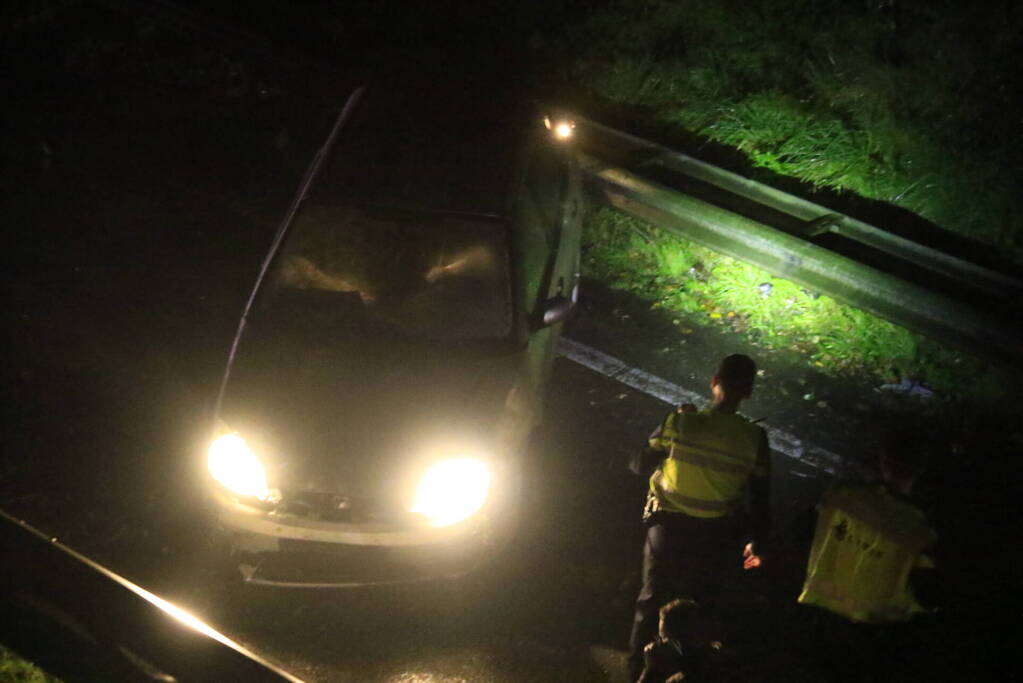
{"points": [[868, 542], [711, 482]]}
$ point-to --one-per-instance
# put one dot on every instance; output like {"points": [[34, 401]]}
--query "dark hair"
{"points": [[736, 373], [677, 618]]}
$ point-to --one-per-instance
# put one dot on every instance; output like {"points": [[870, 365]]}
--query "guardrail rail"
{"points": [[962, 293]]}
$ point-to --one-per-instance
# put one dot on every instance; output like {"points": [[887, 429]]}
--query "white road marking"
{"points": [[782, 442]]}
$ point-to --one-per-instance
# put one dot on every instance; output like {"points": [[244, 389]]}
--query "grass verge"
{"points": [[698, 286]]}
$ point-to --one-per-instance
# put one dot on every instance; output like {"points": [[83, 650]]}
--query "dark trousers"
{"points": [[683, 557]]}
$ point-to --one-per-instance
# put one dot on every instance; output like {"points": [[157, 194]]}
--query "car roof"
{"points": [[437, 144]]}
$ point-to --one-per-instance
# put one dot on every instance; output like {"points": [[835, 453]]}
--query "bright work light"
{"points": [[232, 463], [452, 490], [562, 129]]}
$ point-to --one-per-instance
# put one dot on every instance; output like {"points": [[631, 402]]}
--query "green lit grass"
{"points": [[698, 286], [14, 669], [831, 92]]}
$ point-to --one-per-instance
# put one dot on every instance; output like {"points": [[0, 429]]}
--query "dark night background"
{"points": [[149, 149]]}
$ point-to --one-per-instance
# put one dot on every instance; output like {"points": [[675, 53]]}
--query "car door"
{"points": [[548, 234]]}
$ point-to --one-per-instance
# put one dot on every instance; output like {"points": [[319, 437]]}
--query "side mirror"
{"points": [[553, 311]]}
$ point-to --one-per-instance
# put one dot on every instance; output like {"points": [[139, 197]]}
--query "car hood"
{"points": [[362, 415]]}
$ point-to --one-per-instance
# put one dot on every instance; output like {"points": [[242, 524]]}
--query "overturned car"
{"points": [[391, 362]]}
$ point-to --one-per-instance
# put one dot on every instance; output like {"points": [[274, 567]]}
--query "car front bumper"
{"points": [[288, 550]]}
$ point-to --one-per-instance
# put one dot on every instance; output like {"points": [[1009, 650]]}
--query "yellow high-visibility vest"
{"points": [[866, 544], [711, 456]]}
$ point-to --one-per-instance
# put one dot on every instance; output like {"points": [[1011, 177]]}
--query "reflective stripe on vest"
{"points": [[866, 543], [710, 458]]}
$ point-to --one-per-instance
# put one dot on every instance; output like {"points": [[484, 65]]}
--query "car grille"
{"points": [[333, 507]]}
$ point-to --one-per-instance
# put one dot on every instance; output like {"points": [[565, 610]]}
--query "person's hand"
{"points": [[687, 408], [749, 560]]}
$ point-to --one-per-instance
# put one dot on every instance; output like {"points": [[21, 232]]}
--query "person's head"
{"points": [[733, 380], [903, 457], [676, 619]]}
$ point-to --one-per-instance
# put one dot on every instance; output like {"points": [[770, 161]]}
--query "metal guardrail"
{"points": [[969, 300], [82, 622]]}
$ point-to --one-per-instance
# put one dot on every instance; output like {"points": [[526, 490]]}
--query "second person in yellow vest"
{"points": [[869, 547]]}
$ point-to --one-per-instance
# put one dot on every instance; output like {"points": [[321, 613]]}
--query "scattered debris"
{"points": [[908, 387]]}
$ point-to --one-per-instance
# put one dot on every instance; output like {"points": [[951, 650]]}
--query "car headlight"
{"points": [[452, 490], [232, 463]]}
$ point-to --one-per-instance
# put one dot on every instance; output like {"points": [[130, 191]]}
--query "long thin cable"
{"points": [[282, 230]]}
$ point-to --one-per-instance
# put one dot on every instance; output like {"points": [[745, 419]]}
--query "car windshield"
{"points": [[429, 276]]}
